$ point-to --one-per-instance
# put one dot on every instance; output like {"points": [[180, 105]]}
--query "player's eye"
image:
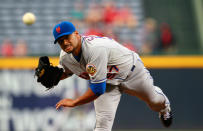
{"points": [[67, 37], [60, 41]]}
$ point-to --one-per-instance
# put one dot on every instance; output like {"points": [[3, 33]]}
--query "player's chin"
{"points": [[68, 50]]}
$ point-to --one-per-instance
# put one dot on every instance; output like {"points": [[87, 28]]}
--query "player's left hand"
{"points": [[65, 103]]}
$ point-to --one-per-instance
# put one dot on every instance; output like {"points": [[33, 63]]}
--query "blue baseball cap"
{"points": [[63, 28]]}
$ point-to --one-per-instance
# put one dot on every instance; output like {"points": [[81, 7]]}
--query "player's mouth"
{"points": [[68, 48]]}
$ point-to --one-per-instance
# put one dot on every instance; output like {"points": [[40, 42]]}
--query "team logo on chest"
{"points": [[91, 69]]}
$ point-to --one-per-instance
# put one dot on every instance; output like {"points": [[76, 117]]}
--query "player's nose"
{"points": [[66, 42]]}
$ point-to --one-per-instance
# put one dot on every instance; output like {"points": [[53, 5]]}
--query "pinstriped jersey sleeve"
{"points": [[97, 64]]}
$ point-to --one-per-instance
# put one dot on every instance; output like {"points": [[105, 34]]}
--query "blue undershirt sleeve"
{"points": [[98, 88]]}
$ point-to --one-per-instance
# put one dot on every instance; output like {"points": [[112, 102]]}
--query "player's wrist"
{"points": [[76, 102]]}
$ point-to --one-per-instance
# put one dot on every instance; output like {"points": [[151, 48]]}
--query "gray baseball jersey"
{"points": [[102, 59]]}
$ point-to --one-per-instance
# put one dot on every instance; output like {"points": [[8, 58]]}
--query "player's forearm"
{"points": [[86, 98]]}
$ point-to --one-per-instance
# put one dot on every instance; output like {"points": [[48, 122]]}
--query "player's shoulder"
{"points": [[96, 41], [92, 45]]}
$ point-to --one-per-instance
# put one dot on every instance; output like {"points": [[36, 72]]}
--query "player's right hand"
{"points": [[65, 103]]}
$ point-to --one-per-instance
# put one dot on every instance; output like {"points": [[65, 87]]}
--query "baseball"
{"points": [[29, 18]]}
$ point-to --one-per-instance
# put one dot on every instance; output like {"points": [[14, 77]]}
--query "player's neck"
{"points": [[76, 52]]}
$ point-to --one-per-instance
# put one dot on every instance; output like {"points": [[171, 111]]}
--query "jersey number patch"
{"points": [[112, 71]]}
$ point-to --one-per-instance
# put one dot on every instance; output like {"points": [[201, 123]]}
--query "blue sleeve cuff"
{"points": [[98, 88]]}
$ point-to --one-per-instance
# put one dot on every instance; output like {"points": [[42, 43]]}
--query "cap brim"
{"points": [[59, 36]]}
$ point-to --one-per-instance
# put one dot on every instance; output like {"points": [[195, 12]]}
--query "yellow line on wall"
{"points": [[173, 61], [23, 62], [149, 62]]}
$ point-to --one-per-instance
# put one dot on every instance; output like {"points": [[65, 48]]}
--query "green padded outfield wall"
{"points": [[179, 14]]}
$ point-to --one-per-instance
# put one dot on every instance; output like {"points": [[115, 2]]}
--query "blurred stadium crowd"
{"points": [[123, 20]]}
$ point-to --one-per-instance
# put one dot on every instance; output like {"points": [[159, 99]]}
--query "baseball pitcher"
{"points": [[111, 70]]}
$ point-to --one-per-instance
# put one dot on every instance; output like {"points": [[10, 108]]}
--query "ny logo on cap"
{"points": [[58, 29]]}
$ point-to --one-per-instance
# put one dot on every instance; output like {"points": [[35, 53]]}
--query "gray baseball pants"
{"points": [[139, 83]]}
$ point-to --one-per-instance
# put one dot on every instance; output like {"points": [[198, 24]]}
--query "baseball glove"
{"points": [[47, 75]]}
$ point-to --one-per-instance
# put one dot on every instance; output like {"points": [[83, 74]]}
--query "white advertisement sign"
{"points": [[26, 106]]}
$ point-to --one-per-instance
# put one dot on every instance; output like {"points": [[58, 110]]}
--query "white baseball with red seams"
{"points": [[29, 18]]}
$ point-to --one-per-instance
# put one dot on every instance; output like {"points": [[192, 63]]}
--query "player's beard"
{"points": [[73, 46], [70, 50]]}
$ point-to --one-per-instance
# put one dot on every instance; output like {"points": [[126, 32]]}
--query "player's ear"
{"points": [[76, 32]]}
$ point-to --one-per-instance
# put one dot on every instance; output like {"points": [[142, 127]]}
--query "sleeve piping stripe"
{"points": [[98, 81]]}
